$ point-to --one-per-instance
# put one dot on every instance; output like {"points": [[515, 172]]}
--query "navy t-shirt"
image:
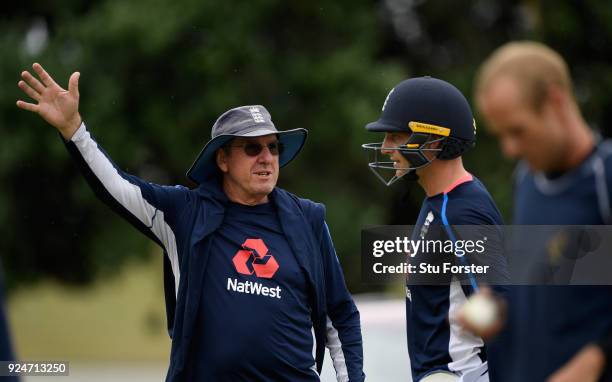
{"points": [[254, 319], [555, 322], [433, 342]]}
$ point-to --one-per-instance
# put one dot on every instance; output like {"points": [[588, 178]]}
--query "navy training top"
{"points": [[547, 325], [254, 319], [434, 343]]}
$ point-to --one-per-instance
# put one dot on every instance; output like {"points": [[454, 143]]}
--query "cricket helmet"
{"points": [[430, 110]]}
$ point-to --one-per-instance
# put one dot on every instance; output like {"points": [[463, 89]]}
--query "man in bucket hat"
{"points": [[254, 290]]}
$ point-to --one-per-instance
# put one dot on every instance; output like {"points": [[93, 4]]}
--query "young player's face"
{"points": [[524, 133], [253, 177], [390, 144]]}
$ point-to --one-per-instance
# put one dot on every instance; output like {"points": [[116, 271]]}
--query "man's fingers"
{"points": [[73, 84], [27, 106], [44, 76], [32, 81], [29, 91]]}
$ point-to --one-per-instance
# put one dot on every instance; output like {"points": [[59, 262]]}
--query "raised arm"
{"points": [[153, 209]]}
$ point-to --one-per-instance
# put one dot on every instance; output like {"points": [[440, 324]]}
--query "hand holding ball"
{"points": [[481, 314]]}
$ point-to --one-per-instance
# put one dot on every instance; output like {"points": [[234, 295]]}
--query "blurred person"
{"points": [[428, 126], [564, 177], [6, 348], [254, 289]]}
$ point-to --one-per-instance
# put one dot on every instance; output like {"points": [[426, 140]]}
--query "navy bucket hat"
{"points": [[244, 121]]}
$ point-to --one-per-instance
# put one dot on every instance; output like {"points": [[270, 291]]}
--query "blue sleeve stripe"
{"points": [[451, 235], [444, 203]]}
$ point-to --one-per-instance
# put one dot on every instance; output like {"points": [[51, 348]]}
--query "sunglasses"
{"points": [[254, 149]]}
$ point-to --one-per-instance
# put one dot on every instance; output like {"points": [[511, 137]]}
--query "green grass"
{"points": [[117, 319]]}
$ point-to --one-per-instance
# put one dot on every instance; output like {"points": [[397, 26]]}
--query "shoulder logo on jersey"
{"points": [[425, 228], [254, 258]]}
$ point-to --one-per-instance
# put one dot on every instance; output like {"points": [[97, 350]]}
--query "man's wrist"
{"points": [[72, 127]]}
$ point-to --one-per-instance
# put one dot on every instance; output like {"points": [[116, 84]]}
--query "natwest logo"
{"points": [[254, 258]]}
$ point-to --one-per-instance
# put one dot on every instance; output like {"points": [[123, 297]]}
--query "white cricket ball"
{"points": [[480, 311]]}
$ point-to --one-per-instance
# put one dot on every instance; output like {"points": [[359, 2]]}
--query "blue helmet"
{"points": [[430, 110]]}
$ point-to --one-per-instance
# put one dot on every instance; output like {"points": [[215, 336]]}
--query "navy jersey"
{"points": [[578, 197], [254, 321], [555, 322], [436, 342]]}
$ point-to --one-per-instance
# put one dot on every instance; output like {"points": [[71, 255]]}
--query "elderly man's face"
{"points": [[249, 179]]}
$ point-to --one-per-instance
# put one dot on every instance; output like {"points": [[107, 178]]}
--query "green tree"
{"points": [[151, 85]]}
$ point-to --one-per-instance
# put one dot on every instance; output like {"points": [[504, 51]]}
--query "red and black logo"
{"points": [[254, 258]]}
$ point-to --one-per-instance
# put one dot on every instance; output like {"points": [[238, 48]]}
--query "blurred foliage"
{"points": [[156, 74]]}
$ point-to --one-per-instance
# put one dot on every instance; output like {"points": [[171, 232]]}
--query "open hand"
{"points": [[58, 107]]}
